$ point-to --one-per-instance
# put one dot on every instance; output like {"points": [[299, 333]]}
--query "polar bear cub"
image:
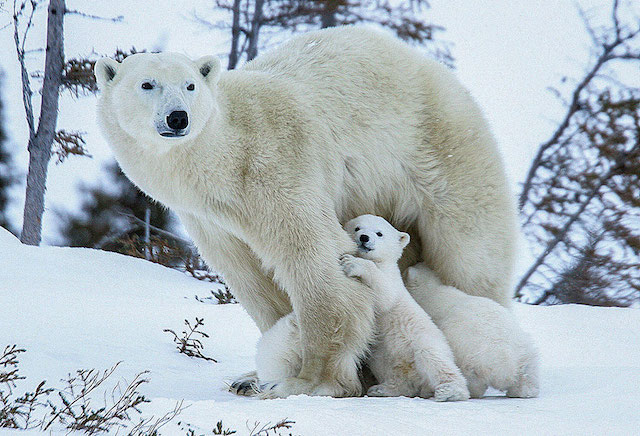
{"points": [[410, 355], [498, 353]]}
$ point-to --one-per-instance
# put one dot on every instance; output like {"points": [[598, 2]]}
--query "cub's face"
{"points": [[376, 239], [159, 99]]}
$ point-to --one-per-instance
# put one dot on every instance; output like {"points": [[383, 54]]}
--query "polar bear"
{"points": [[409, 356], [265, 163], [498, 353]]}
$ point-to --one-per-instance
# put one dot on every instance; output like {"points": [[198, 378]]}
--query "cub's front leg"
{"points": [[364, 269]]}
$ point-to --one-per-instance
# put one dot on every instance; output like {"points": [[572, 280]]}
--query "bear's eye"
{"points": [[147, 85], [191, 87], [379, 234], [357, 229]]}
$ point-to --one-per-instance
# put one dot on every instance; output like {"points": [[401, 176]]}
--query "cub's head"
{"points": [[159, 99], [377, 240]]}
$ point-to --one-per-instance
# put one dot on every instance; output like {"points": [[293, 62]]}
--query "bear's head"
{"points": [[376, 239], [158, 99]]}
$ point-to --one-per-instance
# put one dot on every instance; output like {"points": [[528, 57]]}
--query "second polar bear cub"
{"points": [[410, 355], [498, 354]]}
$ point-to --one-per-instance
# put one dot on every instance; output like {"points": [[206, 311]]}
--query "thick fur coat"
{"points": [[277, 155], [498, 353], [409, 355]]}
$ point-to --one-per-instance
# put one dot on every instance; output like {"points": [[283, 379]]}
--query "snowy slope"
{"points": [[82, 308]]}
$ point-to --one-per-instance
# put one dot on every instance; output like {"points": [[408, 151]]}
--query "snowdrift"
{"points": [[74, 308]]}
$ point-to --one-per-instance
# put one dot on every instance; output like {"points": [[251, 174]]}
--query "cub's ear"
{"points": [[209, 67], [105, 70], [404, 239]]}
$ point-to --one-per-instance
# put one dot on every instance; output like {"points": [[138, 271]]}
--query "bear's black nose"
{"points": [[177, 120], [364, 238]]}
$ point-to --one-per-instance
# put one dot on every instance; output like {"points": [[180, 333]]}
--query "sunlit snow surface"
{"points": [[75, 308]]}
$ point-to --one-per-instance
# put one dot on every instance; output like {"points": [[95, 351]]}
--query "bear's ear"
{"points": [[209, 67], [404, 239], [105, 70]]}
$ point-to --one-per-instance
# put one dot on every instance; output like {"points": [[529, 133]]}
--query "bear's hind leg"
{"points": [[474, 255]]}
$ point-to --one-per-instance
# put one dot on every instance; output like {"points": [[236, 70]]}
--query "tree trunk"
{"points": [[328, 16], [235, 35], [40, 144], [256, 23]]}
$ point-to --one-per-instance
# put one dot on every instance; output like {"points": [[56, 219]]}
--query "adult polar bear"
{"points": [[264, 163]]}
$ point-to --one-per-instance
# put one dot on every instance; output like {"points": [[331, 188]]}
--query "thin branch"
{"points": [[560, 235], [26, 83], [157, 229], [605, 56], [117, 19]]}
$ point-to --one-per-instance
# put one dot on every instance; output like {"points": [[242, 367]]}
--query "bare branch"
{"points": [[607, 54], [157, 229], [117, 19]]}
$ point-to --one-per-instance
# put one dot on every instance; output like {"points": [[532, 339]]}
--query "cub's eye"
{"points": [[191, 87], [379, 234], [357, 229], [147, 85]]}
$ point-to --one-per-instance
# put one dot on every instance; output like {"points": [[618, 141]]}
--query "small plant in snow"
{"points": [[18, 412], [190, 343], [266, 429], [224, 297], [257, 430], [76, 411], [218, 430], [72, 408], [150, 427], [218, 297]]}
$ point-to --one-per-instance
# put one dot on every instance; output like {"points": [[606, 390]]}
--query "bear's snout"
{"points": [[364, 238], [178, 120]]}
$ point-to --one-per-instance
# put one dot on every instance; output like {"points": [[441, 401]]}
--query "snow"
{"points": [[75, 308]]}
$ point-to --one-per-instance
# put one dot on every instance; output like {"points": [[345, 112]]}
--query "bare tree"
{"points": [[74, 75], [580, 202], [618, 43], [249, 17], [7, 177], [40, 136]]}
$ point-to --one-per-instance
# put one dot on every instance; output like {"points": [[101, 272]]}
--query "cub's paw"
{"points": [[451, 391], [353, 266]]}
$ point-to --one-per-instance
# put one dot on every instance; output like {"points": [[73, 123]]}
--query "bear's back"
{"points": [[328, 56]]}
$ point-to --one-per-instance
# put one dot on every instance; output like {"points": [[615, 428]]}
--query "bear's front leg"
{"points": [[334, 313]]}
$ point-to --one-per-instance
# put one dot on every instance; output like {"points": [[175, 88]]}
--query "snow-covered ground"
{"points": [[75, 308]]}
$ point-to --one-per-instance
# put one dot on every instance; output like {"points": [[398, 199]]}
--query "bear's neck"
{"points": [[195, 177]]}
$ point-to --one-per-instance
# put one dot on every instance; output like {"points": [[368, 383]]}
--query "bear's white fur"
{"points": [[280, 152], [409, 356], [498, 353]]}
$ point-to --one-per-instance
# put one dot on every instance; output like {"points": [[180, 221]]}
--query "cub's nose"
{"points": [[177, 120], [364, 238]]}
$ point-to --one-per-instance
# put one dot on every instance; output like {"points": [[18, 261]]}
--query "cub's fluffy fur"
{"points": [[409, 355], [489, 346]]}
